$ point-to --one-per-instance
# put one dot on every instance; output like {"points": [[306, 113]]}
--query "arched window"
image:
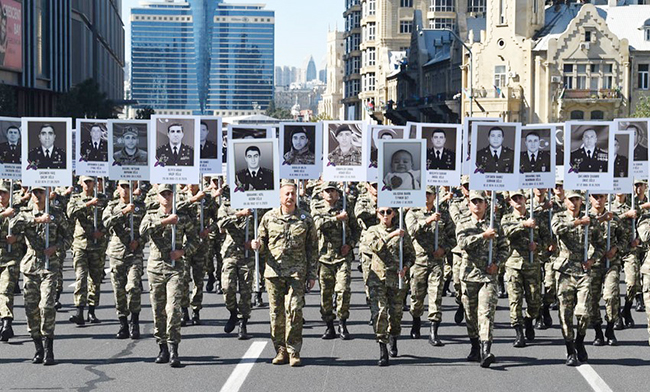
{"points": [[597, 115], [577, 115]]}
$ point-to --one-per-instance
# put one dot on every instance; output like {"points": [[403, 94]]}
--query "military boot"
{"points": [[415, 328], [392, 342], [209, 286], [539, 322], [7, 331], [49, 351], [185, 318], [619, 325], [475, 352], [445, 288], [78, 318], [231, 323], [627, 314], [91, 316], [57, 301], [529, 329], [330, 333], [600, 339], [123, 333], [609, 334], [519, 339], [580, 349], [546, 314], [487, 358], [242, 334], [383, 355], [163, 354], [434, 340], [502, 287], [259, 302], [343, 330], [571, 359], [40, 352], [640, 305], [196, 318], [282, 357], [174, 361], [459, 315], [294, 360], [134, 333]]}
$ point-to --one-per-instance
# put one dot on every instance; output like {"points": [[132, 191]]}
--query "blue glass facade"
{"points": [[203, 56]]}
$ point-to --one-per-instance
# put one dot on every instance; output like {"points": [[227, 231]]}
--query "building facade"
{"points": [[331, 105], [352, 60]]}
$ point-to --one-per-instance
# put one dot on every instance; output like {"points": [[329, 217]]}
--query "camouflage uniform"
{"points": [[365, 213], [644, 234], [458, 210], [166, 276], [350, 158], [547, 258], [288, 242], [386, 298], [9, 267]]}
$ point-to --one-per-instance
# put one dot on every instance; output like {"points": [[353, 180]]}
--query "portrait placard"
{"points": [[639, 127], [495, 159], [244, 131], [559, 151], [256, 182], [537, 158], [401, 168], [376, 133], [467, 141], [589, 155], [623, 163], [210, 145], [10, 148], [175, 141], [46, 151], [91, 146], [302, 150], [443, 142], [128, 150], [344, 143]]}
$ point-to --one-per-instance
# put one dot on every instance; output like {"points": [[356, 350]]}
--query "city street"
{"points": [[90, 358]]}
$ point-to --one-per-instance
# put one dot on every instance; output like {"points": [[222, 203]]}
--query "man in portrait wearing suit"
{"points": [[208, 149], [10, 150], [254, 177], [175, 153], [589, 158], [47, 155], [534, 160], [439, 157], [496, 158], [95, 149]]}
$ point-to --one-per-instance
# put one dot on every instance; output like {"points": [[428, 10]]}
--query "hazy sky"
{"points": [[300, 27]]}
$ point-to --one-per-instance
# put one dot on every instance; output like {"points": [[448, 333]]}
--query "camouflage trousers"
{"points": [[365, 268], [550, 282], [335, 278], [455, 272], [631, 268], [59, 275], [165, 291], [39, 293], [480, 303], [126, 277], [238, 272], [523, 284], [646, 298], [427, 279], [8, 278], [286, 300], [214, 263], [194, 273], [89, 272], [574, 298], [386, 308], [605, 283]]}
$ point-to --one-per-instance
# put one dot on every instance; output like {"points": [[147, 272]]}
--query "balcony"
{"points": [[591, 95]]}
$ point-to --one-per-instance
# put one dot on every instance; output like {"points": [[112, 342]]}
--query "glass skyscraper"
{"points": [[202, 56]]}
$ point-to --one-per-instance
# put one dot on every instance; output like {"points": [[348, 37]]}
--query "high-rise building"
{"points": [[352, 59], [310, 70], [202, 56]]}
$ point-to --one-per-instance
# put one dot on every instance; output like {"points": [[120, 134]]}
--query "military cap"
{"points": [[165, 187], [573, 193], [559, 182], [464, 179], [38, 188], [123, 182], [286, 182], [519, 192], [4, 187], [85, 178], [130, 130], [477, 195], [431, 189], [639, 181], [330, 185], [341, 128]]}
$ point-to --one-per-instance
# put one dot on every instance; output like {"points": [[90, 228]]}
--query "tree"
{"points": [[145, 113], [276, 112], [322, 117], [85, 100], [642, 109]]}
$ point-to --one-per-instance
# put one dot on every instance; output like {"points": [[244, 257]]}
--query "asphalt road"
{"points": [[90, 358]]}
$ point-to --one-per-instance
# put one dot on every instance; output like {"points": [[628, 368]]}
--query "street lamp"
{"points": [[471, 71]]}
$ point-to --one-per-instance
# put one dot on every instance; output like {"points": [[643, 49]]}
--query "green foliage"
{"points": [[642, 109], [145, 113], [279, 113], [321, 117], [85, 100]]}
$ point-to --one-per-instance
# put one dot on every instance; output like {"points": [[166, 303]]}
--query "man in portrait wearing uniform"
{"points": [[496, 158], [10, 150], [589, 158], [208, 149], [95, 149], [299, 153], [175, 153], [620, 162], [439, 157], [534, 160], [47, 155], [130, 154], [254, 177], [346, 154], [640, 151]]}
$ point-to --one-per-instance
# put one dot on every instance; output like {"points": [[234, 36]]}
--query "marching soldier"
{"points": [[644, 235], [458, 210], [165, 270], [365, 213], [126, 257], [630, 259]]}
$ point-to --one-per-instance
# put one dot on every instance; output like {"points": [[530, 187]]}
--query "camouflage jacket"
{"points": [[83, 219], [288, 241], [160, 237], [234, 229], [13, 257], [350, 158], [643, 229], [330, 232], [570, 241], [619, 237], [365, 212], [423, 234], [519, 238], [194, 211], [475, 249], [628, 224], [118, 226], [383, 253]]}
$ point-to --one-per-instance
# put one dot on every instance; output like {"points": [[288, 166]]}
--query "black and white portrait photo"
{"points": [[254, 166], [382, 132], [441, 147], [175, 141], [495, 148], [47, 144], [298, 144], [10, 141], [535, 150], [402, 173], [621, 157], [344, 144], [209, 142], [130, 144], [589, 148], [94, 141]]}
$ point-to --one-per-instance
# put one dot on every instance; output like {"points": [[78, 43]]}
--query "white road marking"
{"points": [[238, 376], [595, 382]]}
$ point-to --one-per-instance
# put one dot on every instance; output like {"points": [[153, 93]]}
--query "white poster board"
{"points": [[443, 142], [376, 133], [623, 162], [344, 146], [46, 151], [175, 141], [495, 159], [255, 164], [128, 150], [91, 147], [302, 150], [10, 148], [210, 144], [639, 127], [402, 170], [467, 141], [559, 151], [589, 155], [537, 158]]}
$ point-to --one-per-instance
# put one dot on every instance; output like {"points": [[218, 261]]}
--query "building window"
{"points": [[371, 56], [568, 76], [405, 26], [442, 24], [646, 28], [371, 31], [643, 77], [368, 82], [597, 115], [406, 3], [442, 6], [502, 12], [476, 6], [577, 115], [500, 76]]}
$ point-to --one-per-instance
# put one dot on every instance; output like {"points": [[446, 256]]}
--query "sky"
{"points": [[301, 27]]}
